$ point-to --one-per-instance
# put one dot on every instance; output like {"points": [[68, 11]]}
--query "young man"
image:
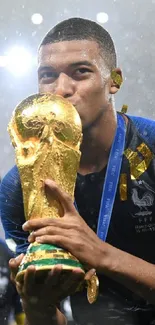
{"points": [[77, 60]]}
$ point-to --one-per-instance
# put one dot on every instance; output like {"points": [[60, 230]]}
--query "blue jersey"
{"points": [[132, 226]]}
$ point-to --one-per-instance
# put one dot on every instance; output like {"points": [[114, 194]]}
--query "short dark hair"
{"points": [[84, 29]]}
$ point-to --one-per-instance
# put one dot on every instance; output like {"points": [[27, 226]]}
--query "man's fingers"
{"points": [[14, 265], [38, 223], [49, 230], [35, 224], [19, 287], [29, 280], [71, 283], [41, 223], [73, 279], [63, 282], [53, 276], [64, 198], [15, 262], [89, 274], [55, 240]]}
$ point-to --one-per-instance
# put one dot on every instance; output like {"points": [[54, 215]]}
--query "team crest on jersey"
{"points": [[143, 197]]}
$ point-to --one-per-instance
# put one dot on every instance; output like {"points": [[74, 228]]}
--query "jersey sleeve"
{"points": [[146, 129], [12, 212]]}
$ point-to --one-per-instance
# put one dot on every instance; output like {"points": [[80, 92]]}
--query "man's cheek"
{"points": [[45, 89]]}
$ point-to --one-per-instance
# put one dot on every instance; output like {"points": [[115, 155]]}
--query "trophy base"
{"points": [[45, 257]]}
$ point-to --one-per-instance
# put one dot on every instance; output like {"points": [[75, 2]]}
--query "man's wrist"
{"points": [[104, 261], [41, 315]]}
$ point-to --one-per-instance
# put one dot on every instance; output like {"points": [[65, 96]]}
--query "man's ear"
{"points": [[116, 80]]}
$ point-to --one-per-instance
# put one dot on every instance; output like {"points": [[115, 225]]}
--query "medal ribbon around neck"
{"points": [[108, 195], [111, 179]]}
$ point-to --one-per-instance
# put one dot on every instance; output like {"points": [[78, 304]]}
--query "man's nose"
{"points": [[65, 86]]}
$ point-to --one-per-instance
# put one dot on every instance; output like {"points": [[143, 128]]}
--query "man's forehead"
{"points": [[71, 50]]}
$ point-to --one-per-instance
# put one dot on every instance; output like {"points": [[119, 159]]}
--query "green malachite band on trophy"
{"points": [[44, 256], [46, 262], [43, 247]]}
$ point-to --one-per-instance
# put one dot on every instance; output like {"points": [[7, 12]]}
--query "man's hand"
{"points": [[72, 233], [69, 232], [49, 290], [40, 298]]}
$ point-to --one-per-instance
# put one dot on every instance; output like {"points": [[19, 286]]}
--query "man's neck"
{"points": [[96, 144]]}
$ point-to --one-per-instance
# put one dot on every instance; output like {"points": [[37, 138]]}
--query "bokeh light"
{"points": [[37, 19], [102, 17], [19, 61]]}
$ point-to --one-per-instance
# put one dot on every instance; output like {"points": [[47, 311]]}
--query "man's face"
{"points": [[76, 71]]}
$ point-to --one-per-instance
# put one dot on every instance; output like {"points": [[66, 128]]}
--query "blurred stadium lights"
{"points": [[3, 61], [102, 17], [18, 61], [37, 19]]}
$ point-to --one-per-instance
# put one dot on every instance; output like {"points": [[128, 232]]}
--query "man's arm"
{"points": [[133, 272], [73, 234], [12, 212]]}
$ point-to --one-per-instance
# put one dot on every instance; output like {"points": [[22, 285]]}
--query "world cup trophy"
{"points": [[46, 133]]}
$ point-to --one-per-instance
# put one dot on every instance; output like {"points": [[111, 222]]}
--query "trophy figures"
{"points": [[46, 133]]}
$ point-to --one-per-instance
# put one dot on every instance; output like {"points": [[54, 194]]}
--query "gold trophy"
{"points": [[46, 132]]}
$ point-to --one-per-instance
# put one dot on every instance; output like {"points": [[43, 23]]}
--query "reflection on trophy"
{"points": [[46, 132]]}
